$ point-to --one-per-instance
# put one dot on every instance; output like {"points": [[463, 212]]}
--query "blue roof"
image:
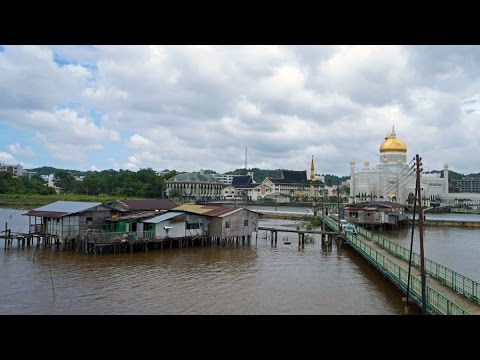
{"points": [[68, 206], [163, 217]]}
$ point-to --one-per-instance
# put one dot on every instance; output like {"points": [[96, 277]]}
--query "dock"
{"points": [[301, 234]]}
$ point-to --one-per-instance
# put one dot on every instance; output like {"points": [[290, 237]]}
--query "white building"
{"points": [[227, 179], [15, 170], [393, 179]]}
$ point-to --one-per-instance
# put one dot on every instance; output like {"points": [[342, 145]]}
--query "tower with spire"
{"points": [[312, 170]]}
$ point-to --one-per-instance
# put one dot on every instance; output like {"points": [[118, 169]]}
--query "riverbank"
{"points": [[471, 224]]}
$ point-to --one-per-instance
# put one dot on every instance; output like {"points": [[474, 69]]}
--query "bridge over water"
{"points": [[447, 292]]}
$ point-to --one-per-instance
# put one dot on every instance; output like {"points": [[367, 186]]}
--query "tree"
{"points": [[64, 180]]}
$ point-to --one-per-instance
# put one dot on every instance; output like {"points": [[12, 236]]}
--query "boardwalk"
{"points": [[301, 233], [447, 292]]}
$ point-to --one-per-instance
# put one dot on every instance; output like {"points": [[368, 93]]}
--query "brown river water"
{"points": [[254, 278]]}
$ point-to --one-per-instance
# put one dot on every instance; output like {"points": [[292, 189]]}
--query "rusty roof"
{"points": [[52, 214], [161, 204], [141, 215], [222, 211], [207, 210]]}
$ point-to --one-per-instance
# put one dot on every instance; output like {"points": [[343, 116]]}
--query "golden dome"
{"points": [[393, 144]]}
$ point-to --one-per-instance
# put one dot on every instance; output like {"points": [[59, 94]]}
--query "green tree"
{"points": [[64, 180]]}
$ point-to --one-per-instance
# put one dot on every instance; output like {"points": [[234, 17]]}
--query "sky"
{"points": [[199, 107]]}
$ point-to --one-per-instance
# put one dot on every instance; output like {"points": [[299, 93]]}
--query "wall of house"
{"points": [[177, 230], [67, 226], [193, 219], [75, 225], [236, 224]]}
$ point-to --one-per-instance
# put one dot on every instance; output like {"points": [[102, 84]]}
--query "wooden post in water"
{"points": [[6, 226]]}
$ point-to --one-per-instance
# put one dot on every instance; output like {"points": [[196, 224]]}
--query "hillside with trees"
{"points": [[143, 183]]}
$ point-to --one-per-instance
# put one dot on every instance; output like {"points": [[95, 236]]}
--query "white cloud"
{"points": [[18, 149], [192, 107], [7, 158]]}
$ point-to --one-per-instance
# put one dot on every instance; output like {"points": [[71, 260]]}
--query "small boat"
{"points": [[286, 241]]}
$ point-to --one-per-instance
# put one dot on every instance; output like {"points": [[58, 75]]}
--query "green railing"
{"points": [[458, 282], [436, 303]]}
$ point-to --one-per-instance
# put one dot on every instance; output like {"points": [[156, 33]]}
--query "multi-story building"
{"points": [[15, 170], [467, 185], [194, 186], [227, 179]]}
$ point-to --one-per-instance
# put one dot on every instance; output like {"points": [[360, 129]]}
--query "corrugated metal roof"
{"points": [[68, 206], [161, 204], [196, 209], [208, 210], [144, 214], [62, 208], [222, 211], [163, 217], [52, 214]]}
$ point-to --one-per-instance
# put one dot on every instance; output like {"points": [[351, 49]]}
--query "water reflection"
{"points": [[317, 278]]}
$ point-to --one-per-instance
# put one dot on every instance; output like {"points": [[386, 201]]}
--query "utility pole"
{"points": [[338, 207], [420, 227], [323, 208], [245, 158]]}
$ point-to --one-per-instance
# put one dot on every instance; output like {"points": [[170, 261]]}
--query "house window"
{"points": [[245, 222], [193, 226], [89, 221], [227, 224]]}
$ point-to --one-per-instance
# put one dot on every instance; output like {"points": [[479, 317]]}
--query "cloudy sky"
{"points": [[198, 107]]}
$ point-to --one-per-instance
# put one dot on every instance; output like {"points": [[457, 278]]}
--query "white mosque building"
{"points": [[393, 179]]}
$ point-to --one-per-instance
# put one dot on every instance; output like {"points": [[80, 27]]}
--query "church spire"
{"points": [[312, 170], [393, 131]]}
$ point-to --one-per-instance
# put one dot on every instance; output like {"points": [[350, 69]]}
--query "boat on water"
{"points": [[286, 241]]}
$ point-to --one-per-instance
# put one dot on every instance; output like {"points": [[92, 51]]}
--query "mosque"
{"points": [[393, 179]]}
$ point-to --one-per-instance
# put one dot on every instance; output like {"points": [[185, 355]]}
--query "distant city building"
{"points": [[393, 179], [194, 186], [467, 185], [49, 179], [79, 178], [240, 187], [163, 172], [227, 179], [15, 170], [224, 178], [29, 174], [292, 184]]}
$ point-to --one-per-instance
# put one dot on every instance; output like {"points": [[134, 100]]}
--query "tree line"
{"points": [[144, 183]]}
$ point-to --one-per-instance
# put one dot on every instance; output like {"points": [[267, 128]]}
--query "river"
{"points": [[245, 279]]}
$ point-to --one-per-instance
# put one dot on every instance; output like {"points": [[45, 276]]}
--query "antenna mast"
{"points": [[245, 158]]}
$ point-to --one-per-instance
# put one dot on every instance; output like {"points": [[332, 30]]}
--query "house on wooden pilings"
{"points": [[67, 219], [375, 214], [222, 222], [171, 224], [127, 213], [128, 222]]}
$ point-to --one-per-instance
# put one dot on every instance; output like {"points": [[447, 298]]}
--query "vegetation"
{"points": [[109, 183], [258, 174]]}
